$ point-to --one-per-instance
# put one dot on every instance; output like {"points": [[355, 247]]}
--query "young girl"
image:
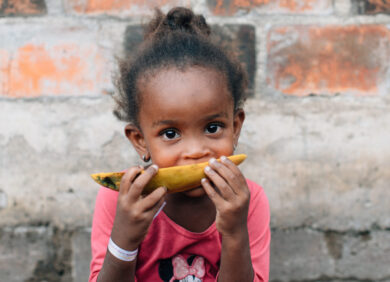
{"points": [[182, 97]]}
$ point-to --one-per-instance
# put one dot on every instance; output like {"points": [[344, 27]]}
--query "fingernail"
{"points": [[155, 167], [203, 180], [212, 160], [223, 158], [207, 169]]}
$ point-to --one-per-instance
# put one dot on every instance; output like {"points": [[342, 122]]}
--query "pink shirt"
{"points": [[171, 252]]}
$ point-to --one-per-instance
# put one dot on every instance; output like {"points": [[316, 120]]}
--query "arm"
{"points": [[134, 214], [103, 219], [245, 239], [259, 237], [236, 263]]}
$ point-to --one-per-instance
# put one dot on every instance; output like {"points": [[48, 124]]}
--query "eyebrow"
{"points": [[221, 114], [171, 121], [163, 122]]}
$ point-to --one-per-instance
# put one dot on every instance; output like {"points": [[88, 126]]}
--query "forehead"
{"points": [[179, 93]]}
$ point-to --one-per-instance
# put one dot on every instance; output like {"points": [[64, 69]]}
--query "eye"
{"points": [[170, 134], [213, 128]]}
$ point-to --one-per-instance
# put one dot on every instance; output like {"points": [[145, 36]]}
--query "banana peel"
{"points": [[175, 179]]}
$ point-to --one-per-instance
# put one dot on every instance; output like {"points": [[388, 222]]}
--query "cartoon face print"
{"points": [[180, 269]]}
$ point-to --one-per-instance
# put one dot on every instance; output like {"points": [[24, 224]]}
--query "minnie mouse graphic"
{"points": [[179, 269]]}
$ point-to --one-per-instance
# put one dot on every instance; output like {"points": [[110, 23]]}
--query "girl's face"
{"points": [[185, 117]]}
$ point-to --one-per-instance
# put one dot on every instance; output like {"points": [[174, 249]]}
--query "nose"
{"points": [[196, 149]]}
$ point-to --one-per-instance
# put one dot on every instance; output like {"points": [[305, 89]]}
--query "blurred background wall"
{"points": [[317, 131]]}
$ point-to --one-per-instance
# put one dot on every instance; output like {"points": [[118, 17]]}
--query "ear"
{"points": [[238, 120], [135, 136]]}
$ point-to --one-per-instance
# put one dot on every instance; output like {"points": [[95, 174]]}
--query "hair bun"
{"points": [[178, 19]]}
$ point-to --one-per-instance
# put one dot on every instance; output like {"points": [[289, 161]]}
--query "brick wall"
{"points": [[317, 128]]}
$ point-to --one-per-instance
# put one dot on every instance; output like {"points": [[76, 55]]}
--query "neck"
{"points": [[181, 199], [195, 214]]}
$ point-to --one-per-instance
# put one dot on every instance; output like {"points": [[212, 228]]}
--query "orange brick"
{"points": [[134, 7], [62, 69], [230, 7], [305, 60], [22, 7], [4, 71], [372, 6]]}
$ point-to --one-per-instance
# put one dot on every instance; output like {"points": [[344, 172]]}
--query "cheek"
{"points": [[224, 147], [164, 158]]}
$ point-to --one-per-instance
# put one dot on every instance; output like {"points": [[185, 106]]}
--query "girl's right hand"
{"points": [[135, 212]]}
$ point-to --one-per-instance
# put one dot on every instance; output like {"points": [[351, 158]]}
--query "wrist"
{"points": [[238, 232], [123, 241], [238, 237], [121, 254]]}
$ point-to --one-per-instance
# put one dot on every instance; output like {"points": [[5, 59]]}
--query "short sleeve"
{"points": [[103, 220], [259, 231]]}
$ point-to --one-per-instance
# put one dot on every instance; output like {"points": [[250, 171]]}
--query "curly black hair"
{"points": [[178, 39]]}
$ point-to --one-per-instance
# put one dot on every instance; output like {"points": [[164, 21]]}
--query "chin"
{"points": [[195, 192]]}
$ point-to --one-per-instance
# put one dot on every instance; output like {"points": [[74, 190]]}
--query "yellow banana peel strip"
{"points": [[175, 179]]}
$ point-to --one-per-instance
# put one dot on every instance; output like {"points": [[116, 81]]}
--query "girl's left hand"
{"points": [[227, 188]]}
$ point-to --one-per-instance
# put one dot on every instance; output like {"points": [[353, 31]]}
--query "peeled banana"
{"points": [[175, 179]]}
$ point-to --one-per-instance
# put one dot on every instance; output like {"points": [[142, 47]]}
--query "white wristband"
{"points": [[120, 253]]}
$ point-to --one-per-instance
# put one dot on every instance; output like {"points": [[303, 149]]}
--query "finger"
{"points": [[149, 201], [223, 187], [212, 192], [140, 182], [236, 178], [128, 178], [226, 172], [156, 209], [232, 166]]}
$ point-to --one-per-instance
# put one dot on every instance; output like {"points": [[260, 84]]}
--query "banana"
{"points": [[175, 179]]}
